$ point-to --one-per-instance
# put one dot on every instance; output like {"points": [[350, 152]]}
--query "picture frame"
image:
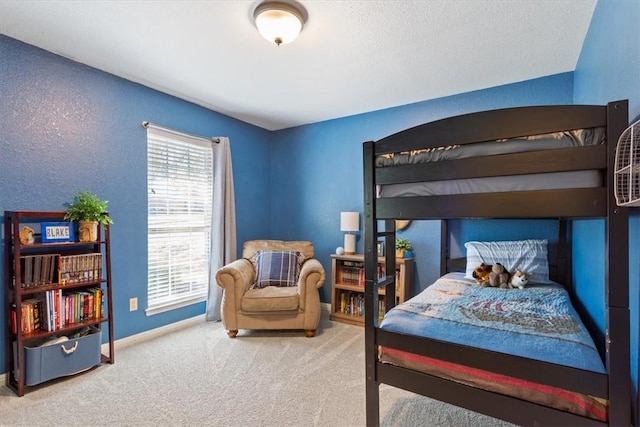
{"points": [[57, 232]]}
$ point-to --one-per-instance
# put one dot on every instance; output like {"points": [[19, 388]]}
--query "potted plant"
{"points": [[89, 210], [402, 246]]}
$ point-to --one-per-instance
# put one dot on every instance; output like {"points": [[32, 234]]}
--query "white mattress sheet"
{"points": [[529, 182]]}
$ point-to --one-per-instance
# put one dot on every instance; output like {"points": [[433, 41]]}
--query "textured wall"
{"points": [[66, 127], [317, 169]]}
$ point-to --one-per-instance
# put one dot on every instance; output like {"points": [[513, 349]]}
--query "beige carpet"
{"points": [[199, 376]]}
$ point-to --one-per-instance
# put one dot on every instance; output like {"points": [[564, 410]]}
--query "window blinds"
{"points": [[180, 177]]}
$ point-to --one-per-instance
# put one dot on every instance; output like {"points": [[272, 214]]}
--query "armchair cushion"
{"points": [[277, 268], [270, 299]]}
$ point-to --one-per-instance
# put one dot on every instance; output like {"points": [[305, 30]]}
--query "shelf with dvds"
{"points": [[347, 286], [58, 300]]}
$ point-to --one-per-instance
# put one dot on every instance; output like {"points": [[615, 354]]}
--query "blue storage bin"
{"points": [[47, 362]]}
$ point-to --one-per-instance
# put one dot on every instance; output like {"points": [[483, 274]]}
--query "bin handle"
{"points": [[71, 350]]}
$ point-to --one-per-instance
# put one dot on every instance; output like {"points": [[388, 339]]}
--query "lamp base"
{"points": [[349, 244]]}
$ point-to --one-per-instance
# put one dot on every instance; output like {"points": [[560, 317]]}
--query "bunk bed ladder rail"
{"points": [[372, 285]]}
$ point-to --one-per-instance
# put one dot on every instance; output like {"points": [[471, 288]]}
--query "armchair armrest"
{"points": [[307, 271], [312, 277], [235, 278]]}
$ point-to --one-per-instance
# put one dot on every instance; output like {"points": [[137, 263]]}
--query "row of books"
{"points": [[352, 273], [56, 309], [80, 268], [38, 270], [46, 269], [352, 303]]}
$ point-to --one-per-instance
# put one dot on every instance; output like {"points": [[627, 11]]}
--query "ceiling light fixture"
{"points": [[279, 22]]}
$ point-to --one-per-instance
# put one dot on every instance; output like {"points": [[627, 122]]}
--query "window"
{"points": [[179, 177]]}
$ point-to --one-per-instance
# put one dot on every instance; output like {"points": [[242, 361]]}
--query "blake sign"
{"points": [[54, 232]]}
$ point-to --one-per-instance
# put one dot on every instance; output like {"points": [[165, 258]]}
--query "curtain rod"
{"points": [[148, 125]]}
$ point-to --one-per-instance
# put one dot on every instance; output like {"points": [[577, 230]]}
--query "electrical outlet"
{"points": [[133, 304]]}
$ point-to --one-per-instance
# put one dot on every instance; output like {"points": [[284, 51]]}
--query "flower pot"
{"points": [[399, 253], [88, 231]]}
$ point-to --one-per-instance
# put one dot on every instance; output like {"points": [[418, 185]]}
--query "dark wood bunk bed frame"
{"points": [[562, 205]]}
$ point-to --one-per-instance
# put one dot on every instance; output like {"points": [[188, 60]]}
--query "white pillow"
{"points": [[529, 256]]}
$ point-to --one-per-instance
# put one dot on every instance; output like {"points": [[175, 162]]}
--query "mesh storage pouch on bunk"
{"points": [[627, 171]]}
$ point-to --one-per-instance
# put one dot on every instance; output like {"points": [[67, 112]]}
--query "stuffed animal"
{"points": [[481, 274], [518, 280], [499, 276], [26, 235]]}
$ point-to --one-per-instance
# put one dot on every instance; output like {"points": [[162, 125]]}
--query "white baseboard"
{"points": [[153, 333]]}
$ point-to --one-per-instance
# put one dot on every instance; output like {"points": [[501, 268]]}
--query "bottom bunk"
{"points": [[520, 354], [518, 351], [536, 323]]}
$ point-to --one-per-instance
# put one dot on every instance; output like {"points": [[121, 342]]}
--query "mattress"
{"points": [[550, 141], [538, 322], [495, 184], [530, 182]]}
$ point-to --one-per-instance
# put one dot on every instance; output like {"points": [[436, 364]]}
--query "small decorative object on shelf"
{"points": [[26, 235], [56, 232], [402, 247], [89, 210]]}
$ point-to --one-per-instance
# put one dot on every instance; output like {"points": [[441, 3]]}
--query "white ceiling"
{"points": [[353, 56]]}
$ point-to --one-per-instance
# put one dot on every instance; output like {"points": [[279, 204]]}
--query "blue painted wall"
{"points": [[67, 127], [317, 169], [608, 69]]}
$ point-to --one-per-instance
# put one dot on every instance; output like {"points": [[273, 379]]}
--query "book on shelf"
{"points": [[57, 309], [30, 315], [79, 268], [38, 270], [352, 303], [352, 272]]}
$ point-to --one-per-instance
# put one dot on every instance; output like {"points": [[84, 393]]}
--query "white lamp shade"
{"points": [[278, 22], [349, 221]]}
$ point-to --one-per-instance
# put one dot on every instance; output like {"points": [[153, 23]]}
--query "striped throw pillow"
{"points": [[277, 268]]}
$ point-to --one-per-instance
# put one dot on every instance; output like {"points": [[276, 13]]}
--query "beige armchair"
{"points": [[270, 307]]}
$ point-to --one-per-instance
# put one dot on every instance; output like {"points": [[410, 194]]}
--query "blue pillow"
{"points": [[277, 268]]}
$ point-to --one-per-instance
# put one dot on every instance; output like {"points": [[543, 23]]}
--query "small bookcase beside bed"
{"points": [[520, 355]]}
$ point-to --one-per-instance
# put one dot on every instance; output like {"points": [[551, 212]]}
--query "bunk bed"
{"points": [[541, 162]]}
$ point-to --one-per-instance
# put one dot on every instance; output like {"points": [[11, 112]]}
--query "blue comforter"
{"points": [[538, 322]]}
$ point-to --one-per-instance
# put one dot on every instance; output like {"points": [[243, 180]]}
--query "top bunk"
{"points": [[523, 162]]}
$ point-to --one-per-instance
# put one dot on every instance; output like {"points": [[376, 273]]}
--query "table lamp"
{"points": [[349, 221]]}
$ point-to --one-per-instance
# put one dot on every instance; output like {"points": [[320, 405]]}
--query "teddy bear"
{"points": [[481, 274], [518, 279], [26, 235], [499, 276]]}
